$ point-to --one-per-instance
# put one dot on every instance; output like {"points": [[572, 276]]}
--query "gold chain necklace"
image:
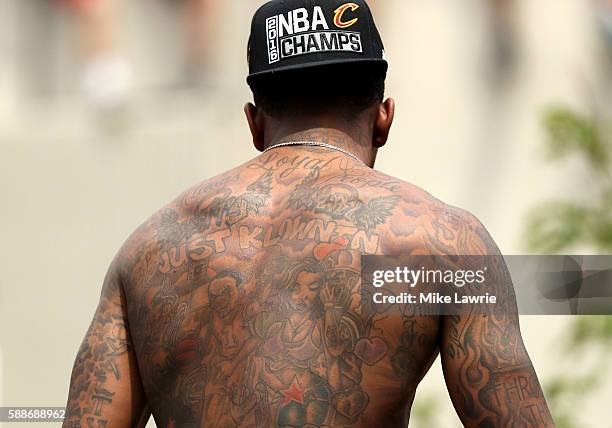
{"points": [[316, 144]]}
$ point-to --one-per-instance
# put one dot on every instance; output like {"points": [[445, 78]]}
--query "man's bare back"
{"points": [[238, 305]]}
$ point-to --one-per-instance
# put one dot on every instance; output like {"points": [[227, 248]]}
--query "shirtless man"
{"points": [[239, 304]]}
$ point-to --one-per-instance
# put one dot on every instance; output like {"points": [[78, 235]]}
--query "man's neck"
{"points": [[328, 136]]}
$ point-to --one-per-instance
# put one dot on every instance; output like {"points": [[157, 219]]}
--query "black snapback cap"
{"points": [[297, 34]]}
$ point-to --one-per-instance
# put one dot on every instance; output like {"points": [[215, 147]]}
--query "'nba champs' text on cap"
{"points": [[294, 34]]}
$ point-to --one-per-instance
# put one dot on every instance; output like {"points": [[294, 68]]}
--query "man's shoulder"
{"points": [[440, 227], [172, 224], [423, 204]]}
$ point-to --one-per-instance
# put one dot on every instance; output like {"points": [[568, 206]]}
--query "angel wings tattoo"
{"points": [[341, 201]]}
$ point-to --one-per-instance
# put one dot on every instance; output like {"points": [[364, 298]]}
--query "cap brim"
{"points": [[374, 61]]}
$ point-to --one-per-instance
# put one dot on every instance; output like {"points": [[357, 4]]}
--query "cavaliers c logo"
{"points": [[340, 12]]}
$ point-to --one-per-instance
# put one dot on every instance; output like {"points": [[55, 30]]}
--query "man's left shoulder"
{"points": [[472, 237], [453, 230]]}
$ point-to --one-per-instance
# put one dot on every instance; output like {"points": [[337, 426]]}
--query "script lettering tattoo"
{"points": [[285, 166]]}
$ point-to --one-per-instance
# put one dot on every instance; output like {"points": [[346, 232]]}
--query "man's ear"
{"points": [[383, 123], [256, 125]]}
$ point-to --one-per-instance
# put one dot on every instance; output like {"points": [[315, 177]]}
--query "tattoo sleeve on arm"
{"points": [[105, 388], [489, 375]]}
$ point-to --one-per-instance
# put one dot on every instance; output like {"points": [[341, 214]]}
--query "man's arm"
{"points": [[489, 375], [105, 387]]}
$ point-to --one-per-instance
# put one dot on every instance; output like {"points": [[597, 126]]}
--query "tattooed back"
{"points": [[243, 296]]}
